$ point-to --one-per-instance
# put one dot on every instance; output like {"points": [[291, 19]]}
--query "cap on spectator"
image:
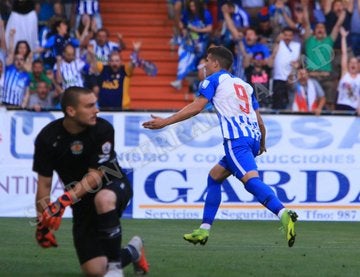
{"points": [[263, 14]]}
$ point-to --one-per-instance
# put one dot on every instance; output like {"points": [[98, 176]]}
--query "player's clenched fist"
{"points": [[44, 237], [51, 216]]}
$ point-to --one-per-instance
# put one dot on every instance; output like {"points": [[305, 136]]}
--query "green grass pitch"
{"points": [[235, 248]]}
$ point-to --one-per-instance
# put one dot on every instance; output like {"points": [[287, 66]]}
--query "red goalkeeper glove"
{"points": [[51, 216], [44, 237]]}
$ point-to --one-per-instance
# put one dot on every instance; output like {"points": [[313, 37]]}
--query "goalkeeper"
{"points": [[80, 148]]}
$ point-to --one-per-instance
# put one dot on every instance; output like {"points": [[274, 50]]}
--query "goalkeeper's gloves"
{"points": [[51, 216], [44, 237]]}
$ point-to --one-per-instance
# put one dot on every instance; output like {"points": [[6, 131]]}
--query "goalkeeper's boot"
{"points": [[197, 236], [288, 219], [141, 266], [114, 270]]}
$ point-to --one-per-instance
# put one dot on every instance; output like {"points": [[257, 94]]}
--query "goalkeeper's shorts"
{"points": [[85, 233]]}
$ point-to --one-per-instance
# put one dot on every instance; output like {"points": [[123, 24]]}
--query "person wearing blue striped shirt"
{"points": [[243, 131], [16, 84]]}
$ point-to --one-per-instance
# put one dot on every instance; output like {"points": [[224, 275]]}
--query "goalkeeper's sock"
{"points": [[126, 257], [264, 194], [212, 201], [110, 235]]}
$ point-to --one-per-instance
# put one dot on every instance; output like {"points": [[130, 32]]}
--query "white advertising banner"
{"points": [[312, 164]]}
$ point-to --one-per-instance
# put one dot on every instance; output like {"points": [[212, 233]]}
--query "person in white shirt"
{"points": [[286, 53], [349, 84]]}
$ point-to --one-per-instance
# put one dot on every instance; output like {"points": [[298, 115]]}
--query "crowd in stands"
{"points": [[299, 55], [50, 45]]}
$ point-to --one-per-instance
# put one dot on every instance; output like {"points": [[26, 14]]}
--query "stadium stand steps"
{"points": [[147, 21]]}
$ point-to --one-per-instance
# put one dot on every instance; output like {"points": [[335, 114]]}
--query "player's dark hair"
{"points": [[70, 97], [222, 55]]}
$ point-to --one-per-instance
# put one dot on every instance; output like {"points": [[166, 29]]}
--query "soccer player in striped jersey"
{"points": [[16, 84], [244, 138]]}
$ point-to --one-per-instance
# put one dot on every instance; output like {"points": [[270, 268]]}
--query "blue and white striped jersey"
{"points": [[89, 7], [102, 52], [72, 73], [15, 84], [235, 103]]}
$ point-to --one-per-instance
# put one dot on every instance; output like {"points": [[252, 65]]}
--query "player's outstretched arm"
{"points": [[188, 111]]}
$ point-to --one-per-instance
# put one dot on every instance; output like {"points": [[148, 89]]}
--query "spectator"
{"points": [[91, 8], [22, 48], [349, 85], [258, 75], [59, 10], [253, 7], [239, 20], [301, 10], [333, 11], [56, 43], [24, 20], [68, 7], [16, 84], [278, 13], [355, 29], [252, 45], [318, 12], [44, 10], [103, 46], [308, 94], [47, 10], [314, 8], [114, 80], [2, 44], [69, 69], [43, 98], [319, 53], [85, 31], [264, 28], [286, 53], [196, 27], [37, 75], [177, 8], [5, 9]]}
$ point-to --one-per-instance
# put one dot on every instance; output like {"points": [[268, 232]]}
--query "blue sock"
{"points": [[264, 194], [212, 201]]}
